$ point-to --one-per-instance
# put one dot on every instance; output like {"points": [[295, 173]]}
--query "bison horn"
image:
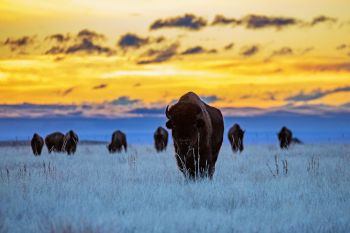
{"points": [[167, 112]]}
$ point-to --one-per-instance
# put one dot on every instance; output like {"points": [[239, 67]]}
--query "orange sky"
{"points": [[266, 54]]}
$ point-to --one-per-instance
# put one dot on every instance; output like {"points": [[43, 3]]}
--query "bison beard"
{"points": [[197, 131]]}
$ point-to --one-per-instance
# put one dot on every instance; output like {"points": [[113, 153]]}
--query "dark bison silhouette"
{"points": [[197, 131], [37, 144], [235, 136], [70, 142], [160, 139], [54, 142], [285, 137], [118, 141]]}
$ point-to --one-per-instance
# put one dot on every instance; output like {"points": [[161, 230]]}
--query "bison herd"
{"points": [[55, 142], [197, 131]]}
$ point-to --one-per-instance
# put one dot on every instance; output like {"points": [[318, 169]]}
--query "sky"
{"points": [[131, 58]]}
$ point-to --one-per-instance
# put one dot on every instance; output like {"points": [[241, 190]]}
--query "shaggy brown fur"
{"points": [[235, 136], [285, 137], [118, 141], [54, 142], [160, 139], [37, 144], [70, 142], [197, 131]]}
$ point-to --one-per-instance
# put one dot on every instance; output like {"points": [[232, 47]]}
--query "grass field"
{"points": [[142, 191]]}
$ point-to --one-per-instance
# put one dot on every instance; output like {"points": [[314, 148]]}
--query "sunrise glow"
{"points": [[146, 54]]}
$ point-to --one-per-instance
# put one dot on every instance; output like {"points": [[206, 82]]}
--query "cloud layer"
{"points": [[127, 107]]}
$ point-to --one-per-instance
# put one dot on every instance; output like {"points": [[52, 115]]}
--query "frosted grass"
{"points": [[142, 191]]}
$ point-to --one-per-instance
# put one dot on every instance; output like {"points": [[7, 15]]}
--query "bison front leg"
{"points": [[205, 163], [186, 167], [206, 169]]}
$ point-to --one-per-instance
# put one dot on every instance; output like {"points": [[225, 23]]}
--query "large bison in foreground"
{"points": [[37, 144], [54, 142], [197, 131], [70, 142], [118, 142], [285, 137], [235, 136], [160, 139]]}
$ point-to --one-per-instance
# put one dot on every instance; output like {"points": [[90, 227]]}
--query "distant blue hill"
{"points": [[331, 127]]}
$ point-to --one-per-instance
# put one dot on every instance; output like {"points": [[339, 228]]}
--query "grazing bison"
{"points": [[37, 144], [118, 141], [235, 136], [70, 142], [197, 131], [285, 137], [54, 142], [160, 139]]}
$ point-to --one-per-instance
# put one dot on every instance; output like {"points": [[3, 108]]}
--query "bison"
{"points": [[235, 136], [118, 141], [160, 139], [70, 142], [197, 131], [54, 142], [37, 144], [285, 137]]}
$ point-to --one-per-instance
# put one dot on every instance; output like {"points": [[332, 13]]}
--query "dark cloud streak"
{"points": [[68, 91], [19, 43], [317, 94], [161, 55], [229, 46], [262, 21], [131, 40], [89, 47], [250, 51], [101, 86], [255, 21], [60, 38], [322, 19], [187, 21], [284, 51], [89, 34], [197, 50], [335, 67], [222, 20]]}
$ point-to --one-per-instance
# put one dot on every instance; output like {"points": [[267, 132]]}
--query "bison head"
{"points": [[185, 121], [111, 148], [36, 136], [74, 136]]}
